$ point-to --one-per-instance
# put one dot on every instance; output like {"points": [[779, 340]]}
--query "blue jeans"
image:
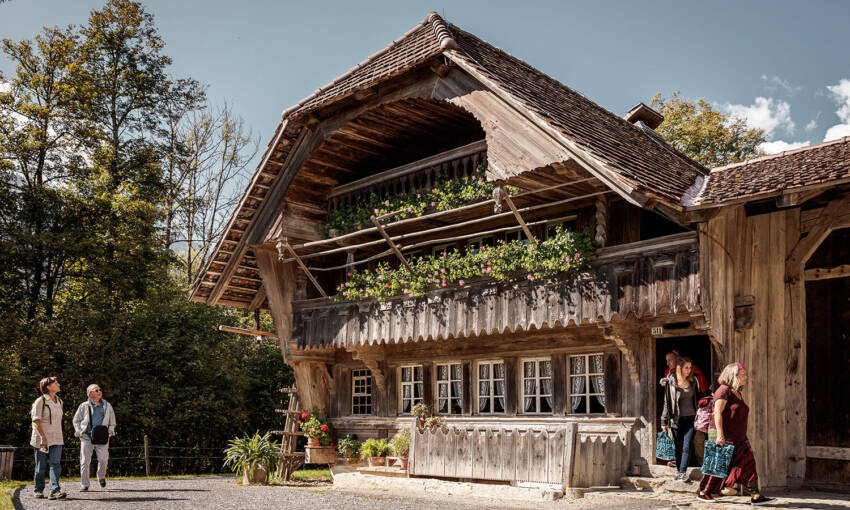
{"points": [[42, 461], [683, 437]]}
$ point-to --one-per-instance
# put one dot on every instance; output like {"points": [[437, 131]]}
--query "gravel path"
{"points": [[217, 493]]}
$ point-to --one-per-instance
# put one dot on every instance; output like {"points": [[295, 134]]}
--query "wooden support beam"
{"points": [[285, 245], [627, 340], [507, 198], [806, 246], [828, 452], [389, 241], [249, 332], [257, 302], [825, 273]]}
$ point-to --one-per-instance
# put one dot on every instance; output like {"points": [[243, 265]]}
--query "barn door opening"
{"points": [[828, 363]]}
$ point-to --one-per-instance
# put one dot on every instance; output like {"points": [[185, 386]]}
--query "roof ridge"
{"points": [[624, 122], [441, 31], [436, 25], [844, 139]]}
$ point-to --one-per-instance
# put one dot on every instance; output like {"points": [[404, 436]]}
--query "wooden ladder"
{"points": [[289, 460]]}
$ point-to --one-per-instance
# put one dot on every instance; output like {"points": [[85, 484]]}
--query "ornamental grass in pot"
{"points": [[252, 457], [401, 447], [376, 450]]}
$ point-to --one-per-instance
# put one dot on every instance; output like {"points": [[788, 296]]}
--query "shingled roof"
{"points": [[786, 171]]}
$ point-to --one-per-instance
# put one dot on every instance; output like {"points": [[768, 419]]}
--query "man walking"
{"points": [[47, 437], [94, 424]]}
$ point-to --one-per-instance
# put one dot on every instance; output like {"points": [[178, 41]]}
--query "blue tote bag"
{"points": [[717, 459], [664, 447]]}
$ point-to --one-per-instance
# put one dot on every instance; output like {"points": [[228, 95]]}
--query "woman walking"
{"points": [[47, 438], [730, 423], [94, 424], [680, 409]]}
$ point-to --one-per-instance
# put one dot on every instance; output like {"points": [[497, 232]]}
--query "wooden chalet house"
{"points": [[552, 379]]}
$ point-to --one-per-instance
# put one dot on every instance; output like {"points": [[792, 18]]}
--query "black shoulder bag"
{"points": [[99, 434]]}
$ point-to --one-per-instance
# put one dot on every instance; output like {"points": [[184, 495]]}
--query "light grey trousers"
{"points": [[86, 450]]}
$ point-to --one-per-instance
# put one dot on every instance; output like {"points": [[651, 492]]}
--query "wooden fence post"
{"points": [[147, 456]]}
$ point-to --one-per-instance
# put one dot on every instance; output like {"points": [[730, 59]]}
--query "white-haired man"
{"points": [[94, 424]]}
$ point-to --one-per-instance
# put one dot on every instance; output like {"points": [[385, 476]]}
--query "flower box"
{"points": [[320, 455]]}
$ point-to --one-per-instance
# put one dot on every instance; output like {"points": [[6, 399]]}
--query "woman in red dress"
{"points": [[730, 421]]}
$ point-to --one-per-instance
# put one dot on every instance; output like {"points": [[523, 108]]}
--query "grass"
{"points": [[312, 474], [7, 493]]}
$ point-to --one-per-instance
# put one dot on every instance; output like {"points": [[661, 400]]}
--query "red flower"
{"points": [[299, 422], [303, 416], [324, 428]]}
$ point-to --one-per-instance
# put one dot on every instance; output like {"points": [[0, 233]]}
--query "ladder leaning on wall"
{"points": [[289, 460]]}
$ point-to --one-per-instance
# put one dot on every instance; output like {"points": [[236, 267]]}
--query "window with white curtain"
{"points": [[537, 386], [410, 388], [491, 387], [587, 384], [449, 388], [361, 392]]}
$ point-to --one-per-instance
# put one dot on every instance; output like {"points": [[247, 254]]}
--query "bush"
{"points": [[248, 453], [401, 443], [348, 445], [375, 448]]}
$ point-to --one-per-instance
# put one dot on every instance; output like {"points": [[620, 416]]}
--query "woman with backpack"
{"points": [[47, 437], [94, 424], [680, 409], [731, 415]]}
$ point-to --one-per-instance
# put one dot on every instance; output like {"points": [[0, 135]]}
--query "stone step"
{"points": [[670, 473]]}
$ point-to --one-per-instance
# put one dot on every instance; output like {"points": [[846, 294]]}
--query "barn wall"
{"points": [[745, 256]]}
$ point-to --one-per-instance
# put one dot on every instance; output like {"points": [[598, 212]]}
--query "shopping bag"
{"points": [[717, 459], [703, 419], [664, 447]]}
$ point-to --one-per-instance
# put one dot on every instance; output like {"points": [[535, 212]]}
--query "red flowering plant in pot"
{"points": [[316, 428]]}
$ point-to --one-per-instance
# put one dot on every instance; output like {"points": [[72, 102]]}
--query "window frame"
{"points": [[520, 235], [412, 383], [480, 241], [449, 381], [537, 379], [492, 380], [354, 394], [560, 221], [437, 249], [587, 393]]}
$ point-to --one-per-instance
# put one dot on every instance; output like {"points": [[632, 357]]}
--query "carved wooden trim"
{"points": [[627, 339], [373, 359]]}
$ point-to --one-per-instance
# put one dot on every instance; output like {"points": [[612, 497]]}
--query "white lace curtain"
{"points": [[597, 382]]}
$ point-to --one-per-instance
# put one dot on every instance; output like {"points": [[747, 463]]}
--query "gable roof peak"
{"points": [[441, 31]]}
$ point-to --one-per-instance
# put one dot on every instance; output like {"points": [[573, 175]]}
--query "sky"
{"points": [[782, 66]]}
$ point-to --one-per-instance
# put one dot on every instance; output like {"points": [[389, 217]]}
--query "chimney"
{"points": [[642, 113]]}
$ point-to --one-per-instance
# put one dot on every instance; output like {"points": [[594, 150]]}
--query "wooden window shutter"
{"points": [[390, 396], [467, 389], [427, 389], [343, 396], [559, 384], [510, 386], [612, 383]]}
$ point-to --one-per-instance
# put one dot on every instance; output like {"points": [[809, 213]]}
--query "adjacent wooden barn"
{"points": [[553, 379]]}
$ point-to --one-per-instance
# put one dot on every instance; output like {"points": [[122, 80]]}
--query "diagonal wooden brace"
{"points": [[389, 241], [500, 193], [281, 245]]}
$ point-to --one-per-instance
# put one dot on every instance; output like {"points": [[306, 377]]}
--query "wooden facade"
{"points": [[553, 381]]}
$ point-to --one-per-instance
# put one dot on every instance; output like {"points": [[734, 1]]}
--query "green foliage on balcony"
{"points": [[564, 252]]}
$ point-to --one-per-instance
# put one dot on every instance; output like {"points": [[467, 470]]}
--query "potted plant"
{"points": [[422, 412], [348, 447], [376, 450], [434, 422], [319, 448], [401, 446], [252, 457]]}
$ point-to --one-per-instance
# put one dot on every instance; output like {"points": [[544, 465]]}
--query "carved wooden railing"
{"points": [[649, 278], [415, 176], [566, 453]]}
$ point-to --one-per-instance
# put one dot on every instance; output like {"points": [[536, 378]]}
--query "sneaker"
{"points": [[57, 495], [706, 498], [683, 477], [760, 500], [102, 483], [729, 491], [39, 495], [84, 489]]}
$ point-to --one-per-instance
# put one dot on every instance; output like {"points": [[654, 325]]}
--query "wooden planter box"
{"points": [[320, 455]]}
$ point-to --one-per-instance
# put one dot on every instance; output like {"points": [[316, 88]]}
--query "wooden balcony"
{"points": [[644, 279]]}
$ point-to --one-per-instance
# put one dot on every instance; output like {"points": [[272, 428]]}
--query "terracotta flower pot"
{"points": [[403, 462], [313, 441], [377, 461], [257, 475], [421, 423]]}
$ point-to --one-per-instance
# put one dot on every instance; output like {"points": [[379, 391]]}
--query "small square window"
{"points": [[361, 392], [587, 384]]}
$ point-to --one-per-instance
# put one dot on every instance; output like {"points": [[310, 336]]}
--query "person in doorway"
{"points": [[680, 409], [94, 424], [671, 358], [731, 414], [47, 437]]}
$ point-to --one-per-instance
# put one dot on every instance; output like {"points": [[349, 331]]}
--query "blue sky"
{"points": [[784, 66]]}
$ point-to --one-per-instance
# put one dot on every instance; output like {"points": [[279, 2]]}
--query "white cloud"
{"points": [[812, 124], [781, 146], [765, 113], [841, 95], [775, 83]]}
